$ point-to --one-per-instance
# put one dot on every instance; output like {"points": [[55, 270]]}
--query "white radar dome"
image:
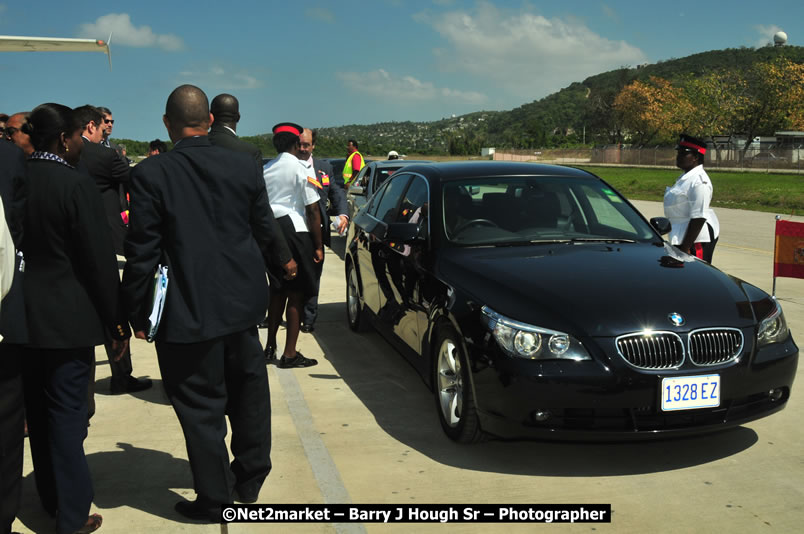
{"points": [[779, 38]]}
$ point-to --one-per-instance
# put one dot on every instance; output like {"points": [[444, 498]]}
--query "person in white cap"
{"points": [[393, 154]]}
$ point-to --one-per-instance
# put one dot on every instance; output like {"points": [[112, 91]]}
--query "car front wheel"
{"points": [[453, 392]]}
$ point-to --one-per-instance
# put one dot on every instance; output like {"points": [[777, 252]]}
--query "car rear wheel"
{"points": [[453, 391], [354, 307]]}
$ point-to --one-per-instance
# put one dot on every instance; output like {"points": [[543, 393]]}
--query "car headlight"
{"points": [[773, 329], [532, 342]]}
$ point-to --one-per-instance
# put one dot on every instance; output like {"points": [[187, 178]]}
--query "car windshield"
{"points": [[538, 209]]}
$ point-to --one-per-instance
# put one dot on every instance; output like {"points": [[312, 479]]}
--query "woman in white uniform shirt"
{"points": [[695, 228], [294, 201]]}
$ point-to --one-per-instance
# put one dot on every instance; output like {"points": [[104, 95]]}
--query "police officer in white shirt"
{"points": [[695, 227], [294, 201]]}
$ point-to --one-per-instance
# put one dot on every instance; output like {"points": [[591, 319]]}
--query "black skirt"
{"points": [[301, 247]]}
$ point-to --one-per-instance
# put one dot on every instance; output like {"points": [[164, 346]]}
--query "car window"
{"points": [[386, 206], [604, 206], [415, 205], [511, 210], [374, 200], [382, 175]]}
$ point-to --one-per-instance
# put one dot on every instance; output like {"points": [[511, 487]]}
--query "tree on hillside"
{"points": [[771, 98], [710, 107], [604, 121], [649, 109]]}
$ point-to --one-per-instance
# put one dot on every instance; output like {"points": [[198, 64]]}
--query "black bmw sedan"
{"points": [[535, 301]]}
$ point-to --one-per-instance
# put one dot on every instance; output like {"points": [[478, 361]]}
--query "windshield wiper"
{"points": [[600, 240], [531, 242]]}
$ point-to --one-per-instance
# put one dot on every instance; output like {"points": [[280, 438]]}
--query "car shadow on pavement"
{"points": [[142, 479], [404, 407]]}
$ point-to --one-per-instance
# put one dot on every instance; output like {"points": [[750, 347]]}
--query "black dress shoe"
{"points": [[199, 511], [270, 354], [307, 328], [297, 361], [130, 385], [246, 497]]}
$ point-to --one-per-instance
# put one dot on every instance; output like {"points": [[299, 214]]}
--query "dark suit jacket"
{"points": [[332, 189], [207, 208], [71, 278], [111, 174], [12, 190], [220, 136]]}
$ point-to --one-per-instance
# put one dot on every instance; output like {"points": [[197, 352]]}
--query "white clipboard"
{"points": [[158, 300]]}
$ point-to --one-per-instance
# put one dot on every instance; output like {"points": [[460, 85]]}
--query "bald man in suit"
{"points": [[204, 209]]}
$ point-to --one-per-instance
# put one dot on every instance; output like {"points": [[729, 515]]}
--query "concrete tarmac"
{"points": [[361, 427]]}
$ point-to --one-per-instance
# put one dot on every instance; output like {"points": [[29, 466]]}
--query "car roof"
{"points": [[461, 170], [398, 162]]}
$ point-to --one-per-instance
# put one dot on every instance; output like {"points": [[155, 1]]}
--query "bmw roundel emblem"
{"points": [[676, 318]]}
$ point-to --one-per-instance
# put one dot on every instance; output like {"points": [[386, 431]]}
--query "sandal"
{"points": [[94, 522]]}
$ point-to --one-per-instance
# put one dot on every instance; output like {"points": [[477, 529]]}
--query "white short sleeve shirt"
{"points": [[687, 199], [287, 181]]}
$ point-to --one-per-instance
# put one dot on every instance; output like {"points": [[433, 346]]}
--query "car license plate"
{"points": [[690, 392]]}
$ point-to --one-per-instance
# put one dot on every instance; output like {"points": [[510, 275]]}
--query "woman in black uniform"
{"points": [[71, 298], [294, 201]]}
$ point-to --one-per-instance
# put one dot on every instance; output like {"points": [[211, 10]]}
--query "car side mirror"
{"points": [[357, 190], [402, 233], [661, 225]]}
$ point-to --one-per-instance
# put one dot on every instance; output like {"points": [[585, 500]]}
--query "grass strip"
{"points": [[775, 193]]}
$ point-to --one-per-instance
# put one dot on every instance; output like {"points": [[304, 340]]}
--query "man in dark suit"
{"points": [[204, 210], [14, 335], [225, 110], [331, 189], [111, 175]]}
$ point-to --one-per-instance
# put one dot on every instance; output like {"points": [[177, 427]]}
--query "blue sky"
{"points": [[324, 63]]}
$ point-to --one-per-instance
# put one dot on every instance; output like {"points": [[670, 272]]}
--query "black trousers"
{"points": [[705, 251], [311, 306], [55, 384], [12, 424], [122, 368], [207, 381]]}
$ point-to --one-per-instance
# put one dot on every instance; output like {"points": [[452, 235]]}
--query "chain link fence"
{"points": [[781, 160]]}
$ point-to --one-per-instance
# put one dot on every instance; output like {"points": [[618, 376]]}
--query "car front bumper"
{"points": [[591, 400]]}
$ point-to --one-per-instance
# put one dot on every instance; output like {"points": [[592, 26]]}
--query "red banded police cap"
{"points": [[692, 144], [288, 127]]}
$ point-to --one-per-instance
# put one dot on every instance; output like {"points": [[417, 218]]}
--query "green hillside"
{"points": [[578, 114], [581, 114]]}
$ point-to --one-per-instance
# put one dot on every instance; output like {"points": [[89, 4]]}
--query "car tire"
{"points": [[452, 388], [355, 314]]}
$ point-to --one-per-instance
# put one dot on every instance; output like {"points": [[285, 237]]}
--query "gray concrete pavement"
{"points": [[361, 427]]}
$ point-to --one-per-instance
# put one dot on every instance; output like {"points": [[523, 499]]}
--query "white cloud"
{"points": [[386, 86], [218, 78], [320, 13], [766, 33], [125, 33], [525, 53]]}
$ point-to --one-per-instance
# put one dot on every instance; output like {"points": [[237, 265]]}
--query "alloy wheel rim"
{"points": [[353, 301], [450, 383]]}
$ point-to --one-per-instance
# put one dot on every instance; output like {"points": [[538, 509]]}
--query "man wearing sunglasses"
{"points": [[107, 126], [15, 135]]}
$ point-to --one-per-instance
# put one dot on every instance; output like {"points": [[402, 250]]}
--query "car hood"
{"points": [[599, 289]]}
